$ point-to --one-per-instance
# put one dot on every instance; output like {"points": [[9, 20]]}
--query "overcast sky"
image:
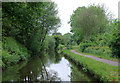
{"points": [[66, 8]]}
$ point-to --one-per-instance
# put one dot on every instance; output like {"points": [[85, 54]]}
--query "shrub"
{"points": [[13, 52], [61, 47], [101, 51], [68, 46], [115, 44], [8, 58], [83, 46]]}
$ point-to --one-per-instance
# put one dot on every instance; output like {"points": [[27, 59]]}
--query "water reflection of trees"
{"points": [[54, 57], [77, 74], [57, 57], [12, 73], [36, 70]]}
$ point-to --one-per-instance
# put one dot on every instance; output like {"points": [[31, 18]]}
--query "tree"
{"points": [[68, 40], [78, 36], [47, 22], [29, 23], [88, 21]]}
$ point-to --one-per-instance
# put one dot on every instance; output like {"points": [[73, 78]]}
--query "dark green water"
{"points": [[49, 67]]}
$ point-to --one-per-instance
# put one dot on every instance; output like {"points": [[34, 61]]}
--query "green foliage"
{"points": [[83, 46], [77, 36], [87, 21], [99, 51], [9, 58], [110, 30], [12, 52], [1, 63], [68, 40], [50, 43], [29, 23], [57, 41], [102, 71], [115, 44], [105, 38], [57, 34], [61, 47], [69, 46]]}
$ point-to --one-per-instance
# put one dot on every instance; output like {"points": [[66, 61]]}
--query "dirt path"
{"points": [[97, 59]]}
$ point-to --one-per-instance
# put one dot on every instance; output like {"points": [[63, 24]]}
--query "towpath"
{"points": [[98, 59]]}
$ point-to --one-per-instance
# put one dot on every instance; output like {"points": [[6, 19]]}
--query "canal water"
{"points": [[49, 67]]}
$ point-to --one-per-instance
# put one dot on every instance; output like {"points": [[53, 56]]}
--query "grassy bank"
{"points": [[13, 52], [96, 53], [102, 71]]}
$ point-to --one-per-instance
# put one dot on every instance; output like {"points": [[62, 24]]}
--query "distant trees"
{"points": [[29, 23], [87, 21], [67, 38], [57, 33], [62, 41]]}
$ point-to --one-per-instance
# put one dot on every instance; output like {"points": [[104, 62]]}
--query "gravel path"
{"points": [[97, 59]]}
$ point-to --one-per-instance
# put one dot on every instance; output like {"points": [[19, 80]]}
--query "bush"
{"points": [[12, 52], [9, 58], [68, 46], [101, 51], [83, 46], [61, 47], [115, 44]]}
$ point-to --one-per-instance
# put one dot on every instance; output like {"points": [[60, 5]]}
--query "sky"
{"points": [[66, 8]]}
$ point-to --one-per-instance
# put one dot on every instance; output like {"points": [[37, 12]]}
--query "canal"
{"points": [[49, 67]]}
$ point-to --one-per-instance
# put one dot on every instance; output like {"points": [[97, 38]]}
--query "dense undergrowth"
{"points": [[100, 51], [13, 52], [104, 72]]}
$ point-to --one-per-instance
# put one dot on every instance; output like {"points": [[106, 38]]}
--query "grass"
{"points": [[76, 48], [103, 71]]}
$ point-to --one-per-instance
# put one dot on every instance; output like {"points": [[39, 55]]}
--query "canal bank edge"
{"points": [[103, 72]]}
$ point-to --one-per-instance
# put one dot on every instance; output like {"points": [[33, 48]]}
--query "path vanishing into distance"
{"points": [[98, 59]]}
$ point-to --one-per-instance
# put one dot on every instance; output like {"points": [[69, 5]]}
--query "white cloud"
{"points": [[66, 7]]}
